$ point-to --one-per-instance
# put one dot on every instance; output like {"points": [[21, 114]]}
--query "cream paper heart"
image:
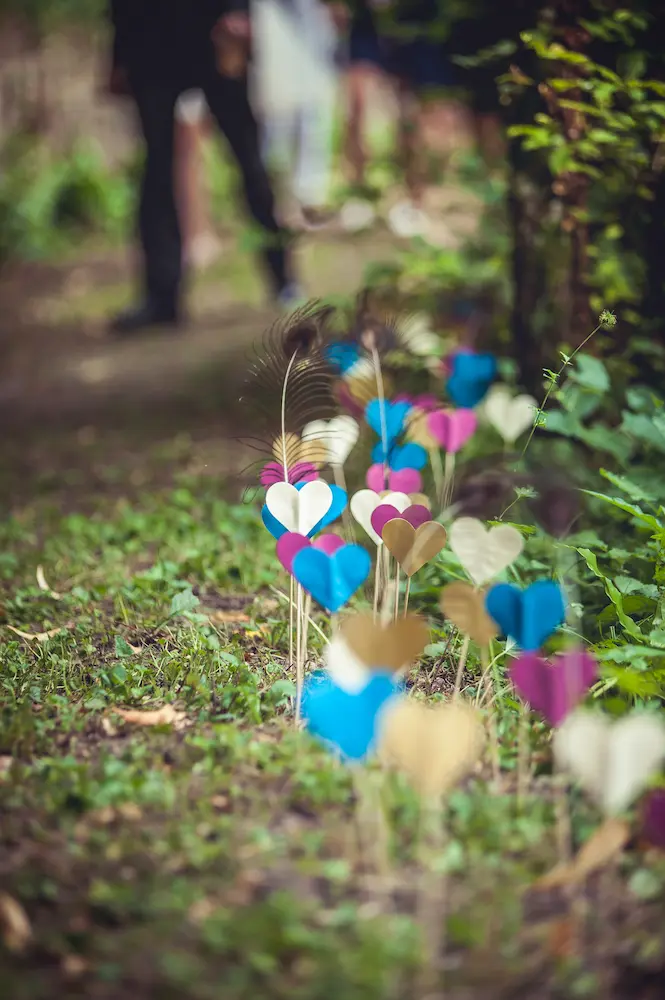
{"points": [[364, 503], [509, 415], [484, 553], [612, 761], [344, 667], [435, 747], [339, 436], [299, 510]]}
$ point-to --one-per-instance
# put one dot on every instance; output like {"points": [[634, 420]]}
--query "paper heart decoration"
{"points": [[390, 647], [344, 667], [301, 472], [484, 553], [554, 687], [451, 429], [417, 429], [612, 761], [299, 510], [338, 436], [347, 401], [415, 514], [403, 456], [328, 543], [288, 546], [527, 616], [402, 481], [342, 355], [347, 720], [291, 449], [413, 547], [332, 579], [362, 385], [339, 503], [509, 415], [471, 376], [364, 503], [653, 818], [394, 416], [465, 607], [434, 747]]}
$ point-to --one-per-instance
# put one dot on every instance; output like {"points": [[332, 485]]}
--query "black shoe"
{"points": [[142, 318]]}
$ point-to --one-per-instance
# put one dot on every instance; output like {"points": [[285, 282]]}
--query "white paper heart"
{"points": [[339, 436], [299, 510], [344, 667], [484, 553], [364, 503], [612, 761], [509, 415]]}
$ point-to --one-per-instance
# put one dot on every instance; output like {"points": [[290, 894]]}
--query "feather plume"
{"points": [[289, 383]]}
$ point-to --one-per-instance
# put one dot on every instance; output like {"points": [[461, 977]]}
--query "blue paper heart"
{"points": [[402, 456], [471, 377], [338, 504], [342, 356], [346, 720], [527, 616], [395, 416], [331, 580]]}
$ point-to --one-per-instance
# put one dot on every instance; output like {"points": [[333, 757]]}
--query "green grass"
{"points": [[219, 856]]}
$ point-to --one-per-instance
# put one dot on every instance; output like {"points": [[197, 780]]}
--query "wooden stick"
{"points": [[292, 584], [448, 478], [523, 756], [460, 666], [396, 605], [431, 897], [406, 596], [299, 669], [340, 480], [377, 581], [437, 474], [486, 664]]}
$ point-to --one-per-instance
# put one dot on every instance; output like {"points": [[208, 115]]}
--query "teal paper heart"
{"points": [[348, 721], [527, 616], [332, 579], [395, 417]]}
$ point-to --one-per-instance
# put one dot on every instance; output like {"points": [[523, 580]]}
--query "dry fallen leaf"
{"points": [[154, 717], [40, 636], [43, 585], [74, 966], [228, 617], [5, 765], [16, 930], [605, 844]]}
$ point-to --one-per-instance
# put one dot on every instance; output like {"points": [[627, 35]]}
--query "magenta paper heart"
{"points": [[328, 543], [452, 428], [301, 472], [554, 687], [416, 515], [398, 480], [288, 547]]}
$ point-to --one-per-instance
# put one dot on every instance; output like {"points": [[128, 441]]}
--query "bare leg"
{"points": [[355, 149], [410, 142], [192, 192]]}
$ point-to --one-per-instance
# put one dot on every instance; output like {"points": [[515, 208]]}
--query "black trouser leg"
{"points": [[159, 229], [229, 103]]}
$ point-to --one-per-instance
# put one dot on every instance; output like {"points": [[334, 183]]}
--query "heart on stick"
{"points": [[413, 547], [482, 552], [399, 480], [528, 616], [509, 415], [338, 436], [415, 514], [612, 760], [273, 472], [344, 667], [465, 607], [434, 747], [380, 413], [471, 376], [288, 547], [346, 719], [364, 503], [291, 449], [329, 543], [299, 510], [417, 429], [451, 429], [402, 456], [332, 579], [390, 647], [554, 687]]}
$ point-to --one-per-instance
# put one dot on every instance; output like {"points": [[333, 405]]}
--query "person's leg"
{"points": [[229, 104], [200, 245], [410, 141], [158, 219], [314, 153], [355, 150]]}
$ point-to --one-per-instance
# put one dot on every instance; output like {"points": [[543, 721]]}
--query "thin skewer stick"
{"points": [[396, 605], [406, 595], [460, 666]]}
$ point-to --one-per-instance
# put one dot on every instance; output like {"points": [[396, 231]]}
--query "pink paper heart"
{"points": [[288, 547], [452, 428], [328, 543], [416, 515], [301, 472], [554, 687], [400, 480]]}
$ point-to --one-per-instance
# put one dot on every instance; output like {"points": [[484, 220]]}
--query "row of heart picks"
{"points": [[360, 711]]}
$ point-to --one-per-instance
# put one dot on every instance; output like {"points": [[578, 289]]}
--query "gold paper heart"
{"points": [[413, 547], [434, 747], [363, 388], [313, 451], [465, 607], [391, 647], [421, 499], [417, 430]]}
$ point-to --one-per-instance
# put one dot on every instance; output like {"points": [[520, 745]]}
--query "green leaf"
{"points": [[182, 602], [612, 592], [591, 373], [646, 429], [629, 487], [122, 647], [628, 653], [646, 884], [647, 519]]}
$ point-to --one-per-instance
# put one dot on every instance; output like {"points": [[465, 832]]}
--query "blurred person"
{"points": [[299, 111], [163, 48], [200, 245], [415, 64]]}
